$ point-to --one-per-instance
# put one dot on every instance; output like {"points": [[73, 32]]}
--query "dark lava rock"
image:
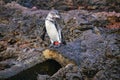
{"points": [[66, 5], [97, 55]]}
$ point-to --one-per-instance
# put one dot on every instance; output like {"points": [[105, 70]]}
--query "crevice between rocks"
{"points": [[49, 64], [48, 67]]}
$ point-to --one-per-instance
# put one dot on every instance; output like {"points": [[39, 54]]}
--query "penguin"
{"points": [[53, 29]]}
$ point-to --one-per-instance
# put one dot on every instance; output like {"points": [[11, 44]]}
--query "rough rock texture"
{"points": [[66, 5], [93, 43], [69, 72]]}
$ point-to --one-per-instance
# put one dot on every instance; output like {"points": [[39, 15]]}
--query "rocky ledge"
{"points": [[91, 53]]}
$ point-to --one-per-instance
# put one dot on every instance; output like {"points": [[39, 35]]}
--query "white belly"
{"points": [[52, 31]]}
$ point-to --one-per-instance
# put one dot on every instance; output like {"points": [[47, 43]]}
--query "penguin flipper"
{"points": [[63, 40], [43, 34]]}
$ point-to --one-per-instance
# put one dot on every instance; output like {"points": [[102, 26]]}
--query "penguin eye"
{"points": [[54, 14], [57, 13]]}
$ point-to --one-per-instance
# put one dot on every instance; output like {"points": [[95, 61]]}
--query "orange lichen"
{"points": [[114, 26], [114, 22]]}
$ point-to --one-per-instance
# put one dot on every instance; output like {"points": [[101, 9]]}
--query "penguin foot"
{"points": [[54, 46], [51, 45]]}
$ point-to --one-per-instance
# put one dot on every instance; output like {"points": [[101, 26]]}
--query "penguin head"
{"points": [[54, 14]]}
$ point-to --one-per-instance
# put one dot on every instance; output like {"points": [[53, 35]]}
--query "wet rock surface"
{"points": [[92, 51]]}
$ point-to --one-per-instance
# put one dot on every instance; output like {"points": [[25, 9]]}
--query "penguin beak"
{"points": [[58, 16]]}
